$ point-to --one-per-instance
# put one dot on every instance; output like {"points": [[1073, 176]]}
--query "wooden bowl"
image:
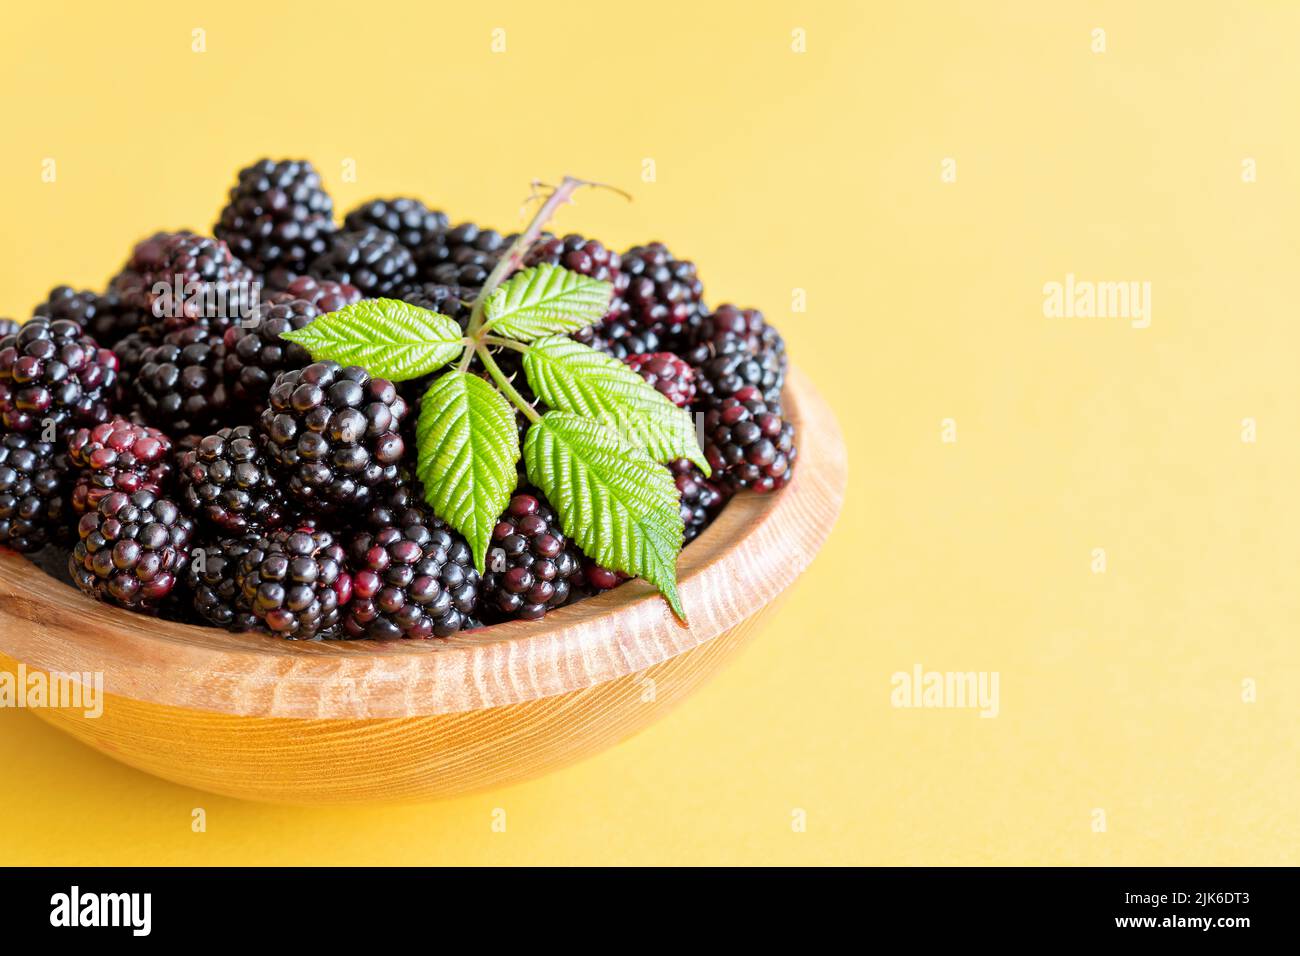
{"points": [[361, 722]]}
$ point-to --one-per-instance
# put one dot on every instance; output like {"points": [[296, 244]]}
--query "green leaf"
{"points": [[467, 449], [546, 299], [613, 500], [568, 375], [388, 338]]}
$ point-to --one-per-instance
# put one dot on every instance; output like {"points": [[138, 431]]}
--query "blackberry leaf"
{"points": [[545, 299], [568, 375], [389, 338], [614, 501], [467, 446]]}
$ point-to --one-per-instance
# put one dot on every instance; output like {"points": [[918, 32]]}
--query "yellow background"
{"points": [[777, 170]]}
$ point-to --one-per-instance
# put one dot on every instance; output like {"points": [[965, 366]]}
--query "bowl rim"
{"points": [[755, 549]]}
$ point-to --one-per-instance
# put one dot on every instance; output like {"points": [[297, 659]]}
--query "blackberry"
{"points": [[531, 566], [100, 315], [325, 295], [132, 549], [663, 293], [701, 499], [215, 591], [586, 257], [179, 384], [460, 256], [334, 434], [51, 370], [597, 579], [226, 481], [117, 456], [32, 502], [620, 338], [279, 219], [413, 580], [187, 280], [748, 445], [371, 259], [255, 355], [296, 582], [130, 351], [735, 348], [670, 375], [411, 221], [452, 301]]}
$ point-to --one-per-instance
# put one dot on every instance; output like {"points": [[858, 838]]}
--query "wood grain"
{"points": [[257, 717]]}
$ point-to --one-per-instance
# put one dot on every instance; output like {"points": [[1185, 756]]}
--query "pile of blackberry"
{"points": [[201, 467]]}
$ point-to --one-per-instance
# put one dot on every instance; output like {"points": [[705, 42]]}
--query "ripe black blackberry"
{"points": [[187, 280], [748, 445], [372, 259], [334, 435], [296, 582], [663, 293], [413, 580], [461, 256], [118, 455], [701, 499], [51, 370], [227, 482], [130, 351], [132, 549], [670, 375], [452, 301], [410, 220], [620, 338], [279, 219], [179, 386], [255, 354], [33, 503], [100, 315], [325, 295], [214, 589], [530, 564], [735, 348]]}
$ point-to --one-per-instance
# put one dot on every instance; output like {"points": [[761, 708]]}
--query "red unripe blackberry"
{"points": [[214, 589], [51, 370], [227, 482], [530, 563], [191, 280], [132, 549], [255, 354], [326, 295], [663, 293], [414, 580], [410, 220], [179, 386], [33, 479], [461, 256], [748, 445], [670, 375], [334, 434], [117, 456], [278, 217], [371, 259], [701, 499], [296, 582]]}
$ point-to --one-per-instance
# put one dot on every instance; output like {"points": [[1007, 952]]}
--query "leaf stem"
{"points": [[505, 343], [503, 383]]}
